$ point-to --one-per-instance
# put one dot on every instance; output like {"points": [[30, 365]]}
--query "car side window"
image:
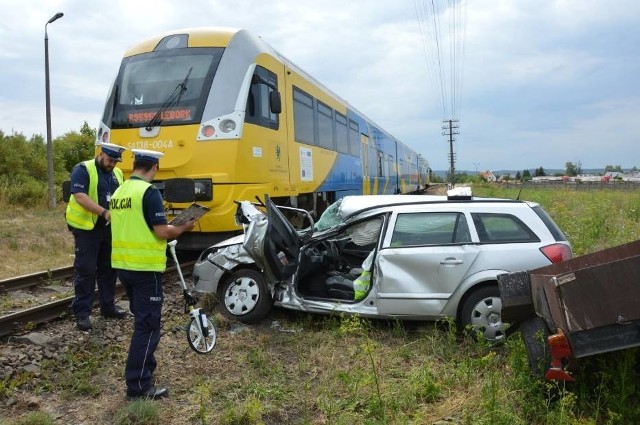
{"points": [[502, 228], [437, 228]]}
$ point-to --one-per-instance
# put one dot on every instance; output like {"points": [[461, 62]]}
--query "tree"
{"points": [[434, 178], [462, 177], [540, 172], [612, 168], [518, 176], [73, 147], [526, 175], [85, 130], [573, 169], [24, 162]]}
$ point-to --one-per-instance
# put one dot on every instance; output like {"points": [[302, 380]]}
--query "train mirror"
{"points": [[274, 102], [179, 190]]}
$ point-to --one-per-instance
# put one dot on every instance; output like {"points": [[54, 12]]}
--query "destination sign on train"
{"points": [[183, 114]]}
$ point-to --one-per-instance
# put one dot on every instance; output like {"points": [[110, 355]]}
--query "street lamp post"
{"points": [[476, 165], [52, 193]]}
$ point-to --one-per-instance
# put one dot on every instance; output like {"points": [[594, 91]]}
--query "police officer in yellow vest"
{"points": [[140, 232], [87, 215]]}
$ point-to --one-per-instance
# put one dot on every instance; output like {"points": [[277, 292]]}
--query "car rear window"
{"points": [[502, 228], [551, 225], [413, 229]]}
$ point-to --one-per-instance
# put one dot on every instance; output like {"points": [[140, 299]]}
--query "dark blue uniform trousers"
{"points": [[144, 290], [92, 265]]}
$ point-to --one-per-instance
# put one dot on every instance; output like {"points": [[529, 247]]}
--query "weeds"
{"points": [[139, 412], [347, 369], [75, 375], [246, 413], [35, 418]]}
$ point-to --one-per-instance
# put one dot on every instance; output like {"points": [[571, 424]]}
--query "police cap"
{"points": [[113, 151], [146, 155]]}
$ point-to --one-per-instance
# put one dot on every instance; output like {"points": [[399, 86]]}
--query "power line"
{"points": [[428, 15]]}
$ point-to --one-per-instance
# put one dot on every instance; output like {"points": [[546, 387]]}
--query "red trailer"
{"points": [[576, 308]]}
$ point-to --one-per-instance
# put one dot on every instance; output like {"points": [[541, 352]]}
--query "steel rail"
{"points": [[33, 279], [31, 317]]}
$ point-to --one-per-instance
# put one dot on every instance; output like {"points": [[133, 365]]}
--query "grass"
{"points": [[345, 369], [592, 220], [33, 239]]}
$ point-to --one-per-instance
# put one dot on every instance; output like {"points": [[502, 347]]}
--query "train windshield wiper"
{"points": [[171, 101]]}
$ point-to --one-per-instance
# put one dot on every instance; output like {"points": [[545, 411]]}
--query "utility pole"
{"points": [[449, 129], [51, 189]]}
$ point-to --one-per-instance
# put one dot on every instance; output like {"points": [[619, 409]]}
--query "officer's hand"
{"points": [[189, 225]]}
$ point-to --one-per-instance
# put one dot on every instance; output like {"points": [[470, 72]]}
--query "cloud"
{"points": [[538, 84]]}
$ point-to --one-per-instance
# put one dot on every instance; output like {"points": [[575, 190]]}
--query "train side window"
{"points": [[325, 126], [258, 111], [342, 140], [304, 127], [354, 138]]}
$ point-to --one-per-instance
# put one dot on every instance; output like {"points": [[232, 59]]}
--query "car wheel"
{"points": [[245, 296], [534, 334], [481, 312]]}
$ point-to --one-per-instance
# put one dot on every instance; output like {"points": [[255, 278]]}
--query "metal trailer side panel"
{"points": [[594, 299]]}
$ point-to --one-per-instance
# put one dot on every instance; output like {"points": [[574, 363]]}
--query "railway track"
{"points": [[29, 318], [35, 279]]}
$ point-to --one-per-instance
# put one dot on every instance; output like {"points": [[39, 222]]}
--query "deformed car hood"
{"points": [[235, 240]]}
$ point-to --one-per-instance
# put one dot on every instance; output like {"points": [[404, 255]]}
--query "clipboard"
{"points": [[192, 212]]}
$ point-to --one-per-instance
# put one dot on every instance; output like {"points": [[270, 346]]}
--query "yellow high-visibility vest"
{"points": [[134, 246], [76, 215]]}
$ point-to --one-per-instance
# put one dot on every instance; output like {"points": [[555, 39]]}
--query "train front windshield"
{"points": [[168, 87]]}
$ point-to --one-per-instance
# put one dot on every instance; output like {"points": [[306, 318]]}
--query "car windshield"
{"points": [[330, 217]]}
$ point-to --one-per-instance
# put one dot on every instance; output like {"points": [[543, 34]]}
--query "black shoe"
{"points": [[115, 313], [153, 393], [84, 323]]}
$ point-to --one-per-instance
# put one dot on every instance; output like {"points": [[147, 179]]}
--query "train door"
{"points": [[366, 175], [382, 173], [267, 138]]}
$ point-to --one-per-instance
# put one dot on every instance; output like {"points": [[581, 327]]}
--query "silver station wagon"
{"points": [[410, 257]]}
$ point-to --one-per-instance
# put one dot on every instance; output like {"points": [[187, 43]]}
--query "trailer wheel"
{"points": [[535, 333], [245, 296]]}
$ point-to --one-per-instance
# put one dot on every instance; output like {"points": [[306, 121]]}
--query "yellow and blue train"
{"points": [[237, 120]]}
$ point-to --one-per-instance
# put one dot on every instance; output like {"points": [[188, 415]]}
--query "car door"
{"points": [[425, 256], [273, 243]]}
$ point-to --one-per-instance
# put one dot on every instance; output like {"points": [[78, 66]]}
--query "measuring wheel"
{"points": [[201, 334]]}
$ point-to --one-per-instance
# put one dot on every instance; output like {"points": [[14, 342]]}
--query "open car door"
{"points": [[274, 244]]}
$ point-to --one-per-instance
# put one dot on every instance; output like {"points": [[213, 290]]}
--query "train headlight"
{"points": [[203, 189], [208, 131], [227, 126]]}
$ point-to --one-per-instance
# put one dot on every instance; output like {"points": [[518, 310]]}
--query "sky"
{"points": [[529, 83]]}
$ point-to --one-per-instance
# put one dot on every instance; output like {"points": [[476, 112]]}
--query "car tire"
{"points": [[534, 334], [481, 313], [244, 296]]}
